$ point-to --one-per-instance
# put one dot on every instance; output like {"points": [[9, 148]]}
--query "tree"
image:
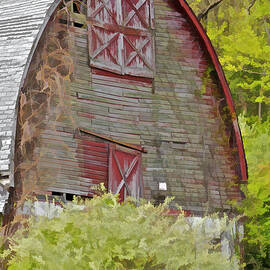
{"points": [[239, 30], [256, 206]]}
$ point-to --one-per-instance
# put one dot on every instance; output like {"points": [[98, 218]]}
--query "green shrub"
{"points": [[256, 206], [110, 235]]}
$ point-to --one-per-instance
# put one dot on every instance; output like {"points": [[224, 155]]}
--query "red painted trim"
{"points": [[223, 82], [103, 72]]}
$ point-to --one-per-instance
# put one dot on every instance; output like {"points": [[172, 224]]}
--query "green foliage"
{"points": [[256, 206], [110, 235], [241, 35]]}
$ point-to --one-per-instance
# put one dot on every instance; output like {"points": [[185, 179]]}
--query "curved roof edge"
{"points": [[42, 28], [223, 82], [48, 15]]}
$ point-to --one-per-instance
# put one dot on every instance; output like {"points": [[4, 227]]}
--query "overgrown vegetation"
{"points": [[240, 32], [256, 206], [110, 235]]}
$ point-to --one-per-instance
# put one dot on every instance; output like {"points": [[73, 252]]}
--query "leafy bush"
{"points": [[110, 235], [256, 206]]}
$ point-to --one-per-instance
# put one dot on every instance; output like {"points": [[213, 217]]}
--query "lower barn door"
{"points": [[93, 162], [125, 172], [81, 170]]}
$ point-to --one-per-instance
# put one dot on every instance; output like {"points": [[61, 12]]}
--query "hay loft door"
{"points": [[120, 36]]}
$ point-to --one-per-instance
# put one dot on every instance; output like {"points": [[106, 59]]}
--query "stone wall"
{"points": [[21, 23]]}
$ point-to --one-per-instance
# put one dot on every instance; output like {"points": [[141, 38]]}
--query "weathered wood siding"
{"points": [[179, 117]]}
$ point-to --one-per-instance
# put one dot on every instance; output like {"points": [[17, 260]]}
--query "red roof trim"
{"points": [[223, 82]]}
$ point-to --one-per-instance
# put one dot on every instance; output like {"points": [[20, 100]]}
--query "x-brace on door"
{"points": [[125, 173]]}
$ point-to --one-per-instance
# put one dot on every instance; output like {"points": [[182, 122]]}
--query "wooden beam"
{"points": [[134, 147]]}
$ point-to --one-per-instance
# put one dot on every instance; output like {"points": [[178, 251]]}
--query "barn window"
{"points": [[121, 36]]}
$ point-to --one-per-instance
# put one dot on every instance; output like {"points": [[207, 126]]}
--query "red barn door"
{"points": [[93, 160], [125, 173]]}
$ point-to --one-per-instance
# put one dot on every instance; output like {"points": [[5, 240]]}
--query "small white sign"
{"points": [[162, 186]]}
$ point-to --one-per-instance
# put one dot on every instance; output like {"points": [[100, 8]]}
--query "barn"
{"points": [[128, 93]]}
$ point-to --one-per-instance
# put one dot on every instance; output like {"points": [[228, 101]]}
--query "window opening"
{"points": [[80, 6], [57, 193], [4, 176], [78, 25], [76, 7], [69, 196], [73, 13]]}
